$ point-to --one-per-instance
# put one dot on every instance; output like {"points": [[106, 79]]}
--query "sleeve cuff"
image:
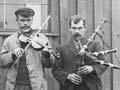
{"points": [[14, 56], [46, 54]]}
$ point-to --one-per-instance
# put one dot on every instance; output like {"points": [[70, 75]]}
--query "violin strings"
{"points": [[54, 53]]}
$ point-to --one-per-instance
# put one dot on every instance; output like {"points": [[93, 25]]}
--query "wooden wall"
{"points": [[115, 41]]}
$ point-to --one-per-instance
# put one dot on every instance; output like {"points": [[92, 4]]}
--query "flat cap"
{"points": [[25, 12]]}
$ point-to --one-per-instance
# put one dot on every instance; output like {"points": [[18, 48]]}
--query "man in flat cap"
{"points": [[25, 68]]}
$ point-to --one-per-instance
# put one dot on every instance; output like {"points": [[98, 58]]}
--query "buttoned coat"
{"points": [[68, 63], [35, 63]]}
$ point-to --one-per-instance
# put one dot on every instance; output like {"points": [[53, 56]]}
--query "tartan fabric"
{"points": [[77, 46], [22, 87], [81, 86]]}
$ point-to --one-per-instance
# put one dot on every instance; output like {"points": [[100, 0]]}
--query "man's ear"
{"points": [[69, 28], [16, 19], [85, 26]]}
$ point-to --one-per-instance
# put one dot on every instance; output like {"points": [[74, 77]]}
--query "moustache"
{"points": [[25, 27], [77, 34]]}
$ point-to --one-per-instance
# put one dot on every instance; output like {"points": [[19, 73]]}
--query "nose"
{"points": [[77, 30], [25, 22]]}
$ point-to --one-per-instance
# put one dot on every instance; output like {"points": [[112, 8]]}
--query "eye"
{"points": [[22, 20], [80, 27], [29, 20], [73, 27]]}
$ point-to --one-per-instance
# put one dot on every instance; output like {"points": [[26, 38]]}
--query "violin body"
{"points": [[39, 42]]}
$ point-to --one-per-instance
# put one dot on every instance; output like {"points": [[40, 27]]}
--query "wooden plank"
{"points": [[86, 9], [81, 9], [1, 1], [8, 32], [37, 1], [1, 17], [26, 1], [107, 29], [66, 11], [10, 17], [18, 1], [89, 17], [53, 10], [102, 8], [72, 7], [1, 71], [115, 41], [55, 20], [100, 11], [63, 20]]}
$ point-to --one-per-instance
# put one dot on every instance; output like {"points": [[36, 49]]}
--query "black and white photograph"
{"points": [[59, 45]]}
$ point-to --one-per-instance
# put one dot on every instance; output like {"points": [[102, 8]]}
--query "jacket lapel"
{"points": [[71, 47]]}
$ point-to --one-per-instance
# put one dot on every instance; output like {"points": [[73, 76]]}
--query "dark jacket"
{"points": [[68, 63]]}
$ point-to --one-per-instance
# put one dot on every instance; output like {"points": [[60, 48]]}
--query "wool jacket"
{"points": [[35, 63]]}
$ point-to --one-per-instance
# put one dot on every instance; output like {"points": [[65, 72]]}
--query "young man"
{"points": [[75, 71], [25, 68]]}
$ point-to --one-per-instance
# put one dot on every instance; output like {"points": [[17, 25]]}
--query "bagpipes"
{"points": [[93, 56]]}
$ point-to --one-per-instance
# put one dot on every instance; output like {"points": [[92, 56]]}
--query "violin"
{"points": [[38, 42]]}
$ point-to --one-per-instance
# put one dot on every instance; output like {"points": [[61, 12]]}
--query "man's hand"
{"points": [[76, 79], [85, 69], [18, 52], [46, 54]]}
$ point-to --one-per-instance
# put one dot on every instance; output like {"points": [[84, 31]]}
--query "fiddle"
{"points": [[39, 42], [36, 42]]}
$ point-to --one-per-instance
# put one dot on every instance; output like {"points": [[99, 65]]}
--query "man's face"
{"points": [[24, 23], [77, 30]]}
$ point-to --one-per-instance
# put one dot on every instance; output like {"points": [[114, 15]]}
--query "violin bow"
{"points": [[38, 31]]}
